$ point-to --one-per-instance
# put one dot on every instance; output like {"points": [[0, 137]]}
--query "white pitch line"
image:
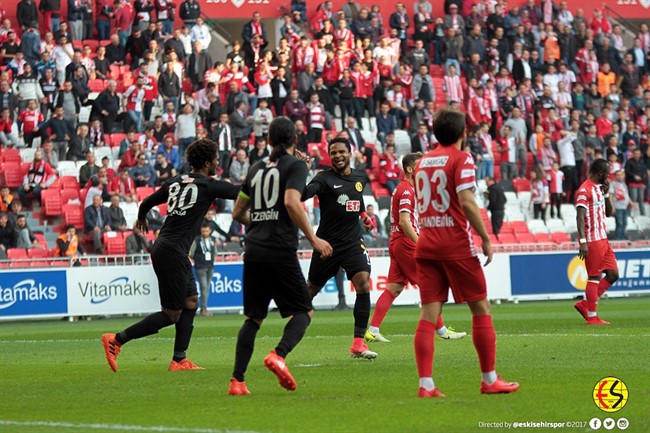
{"points": [[117, 427], [326, 337]]}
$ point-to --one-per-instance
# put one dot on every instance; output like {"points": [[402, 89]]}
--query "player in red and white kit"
{"points": [[445, 255], [593, 205], [404, 235]]}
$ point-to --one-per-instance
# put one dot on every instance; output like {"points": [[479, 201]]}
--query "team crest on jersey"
{"points": [[343, 199], [358, 186]]}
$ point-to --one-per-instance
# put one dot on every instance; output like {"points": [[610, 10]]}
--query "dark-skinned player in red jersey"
{"points": [[188, 198], [269, 205], [445, 255], [340, 194]]}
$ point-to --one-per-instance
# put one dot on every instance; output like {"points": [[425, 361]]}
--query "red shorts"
{"points": [[465, 277], [402, 265], [600, 257]]}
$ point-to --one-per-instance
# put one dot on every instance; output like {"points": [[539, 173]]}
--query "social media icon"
{"points": [[595, 423], [609, 423], [623, 423]]}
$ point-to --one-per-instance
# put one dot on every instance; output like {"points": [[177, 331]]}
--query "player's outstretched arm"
{"points": [[292, 201], [473, 215]]}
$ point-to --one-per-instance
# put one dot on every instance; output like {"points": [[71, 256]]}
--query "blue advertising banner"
{"points": [[33, 293], [540, 274], [227, 287]]}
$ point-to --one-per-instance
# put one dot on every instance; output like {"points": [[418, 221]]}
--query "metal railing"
{"points": [[627, 24], [234, 257]]}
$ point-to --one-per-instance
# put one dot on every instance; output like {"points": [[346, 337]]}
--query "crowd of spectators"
{"points": [[546, 91]]}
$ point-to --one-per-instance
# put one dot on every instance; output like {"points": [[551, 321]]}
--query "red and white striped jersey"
{"points": [[453, 88], [556, 178], [403, 200], [316, 115], [591, 197]]}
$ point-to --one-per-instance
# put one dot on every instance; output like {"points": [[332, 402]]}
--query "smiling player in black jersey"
{"points": [[269, 205], [188, 198], [340, 193]]}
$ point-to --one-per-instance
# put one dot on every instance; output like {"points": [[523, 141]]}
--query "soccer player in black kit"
{"points": [[269, 205], [188, 198], [340, 193]]}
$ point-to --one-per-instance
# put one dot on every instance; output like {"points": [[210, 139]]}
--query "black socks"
{"points": [[293, 333], [148, 326], [361, 314], [245, 346], [184, 328]]}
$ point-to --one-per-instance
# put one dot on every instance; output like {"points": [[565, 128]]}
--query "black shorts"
{"points": [[282, 282], [175, 277], [353, 258]]}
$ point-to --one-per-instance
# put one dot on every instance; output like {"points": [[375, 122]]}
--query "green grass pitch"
{"points": [[54, 378]]}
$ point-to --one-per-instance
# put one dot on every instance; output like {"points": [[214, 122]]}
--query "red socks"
{"points": [[440, 323], [591, 293], [381, 308], [485, 341], [603, 286], [423, 342]]}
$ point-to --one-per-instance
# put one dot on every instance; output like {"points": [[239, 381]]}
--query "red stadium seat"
{"points": [[73, 214], [543, 238], [507, 238], [525, 238], [41, 239], [143, 191], [163, 209], [96, 85], [116, 139], [115, 246], [68, 194], [69, 182], [10, 155], [38, 253], [92, 43], [560, 237], [51, 202], [14, 174], [16, 253]]}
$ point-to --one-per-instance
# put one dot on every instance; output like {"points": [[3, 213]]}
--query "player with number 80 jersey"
{"points": [[439, 177]]}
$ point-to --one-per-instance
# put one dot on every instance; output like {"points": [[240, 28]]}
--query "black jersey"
{"points": [[272, 236], [341, 202], [188, 198]]}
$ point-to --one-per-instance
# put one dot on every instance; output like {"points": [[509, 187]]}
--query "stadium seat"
{"points": [[142, 192], [96, 85], [13, 173], [116, 139], [68, 194], [73, 214], [68, 168], [525, 238], [10, 155], [560, 237], [507, 238], [92, 43], [101, 152], [115, 246], [69, 182], [27, 154], [38, 253], [51, 202], [16, 253]]}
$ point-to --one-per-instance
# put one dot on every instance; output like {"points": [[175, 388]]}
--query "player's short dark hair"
{"points": [[206, 224], [68, 227], [448, 126], [282, 135], [200, 152], [599, 166], [410, 159], [339, 140]]}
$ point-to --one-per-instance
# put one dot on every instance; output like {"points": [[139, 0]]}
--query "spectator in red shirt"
{"points": [[39, 177], [129, 159], [123, 186], [123, 21], [7, 139], [389, 171], [604, 124], [31, 120]]}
